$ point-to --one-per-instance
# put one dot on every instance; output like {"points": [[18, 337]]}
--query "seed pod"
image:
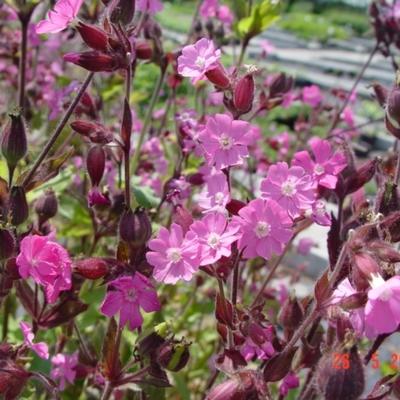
{"points": [[135, 227], [94, 131], [7, 244], [91, 268], [218, 77], [173, 356], [94, 61], [291, 314], [93, 36], [243, 94], [96, 163], [46, 206], [19, 209]]}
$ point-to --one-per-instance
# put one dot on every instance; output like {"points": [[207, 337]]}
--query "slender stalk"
{"points": [[127, 146], [235, 279], [82, 342], [223, 298], [22, 64], [338, 267], [108, 389], [242, 52], [58, 129]]}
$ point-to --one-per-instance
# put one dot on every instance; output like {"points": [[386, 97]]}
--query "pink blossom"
{"points": [[265, 228], [215, 237], [96, 198], [348, 116], [41, 348], [312, 95], [126, 295], [63, 368], [224, 14], [173, 256], [305, 245], [258, 343], [382, 311], [225, 141], [208, 8], [150, 6], [215, 99], [47, 262], [290, 381], [326, 165], [197, 59], [291, 188], [267, 48], [288, 99], [319, 214], [64, 12], [216, 195]]}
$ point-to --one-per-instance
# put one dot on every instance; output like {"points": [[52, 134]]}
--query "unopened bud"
{"points": [[366, 264], [143, 50], [135, 227], [96, 163], [19, 209], [94, 131], [363, 175], [243, 95], [46, 206], [234, 206], [173, 356], [390, 225], [7, 244], [91, 268], [291, 313], [94, 61], [218, 77], [280, 84], [93, 36], [123, 12]]}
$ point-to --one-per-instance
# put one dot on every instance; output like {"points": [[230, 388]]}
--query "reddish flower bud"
{"points": [[393, 107], [13, 378], [243, 94], [173, 356], [366, 264], [93, 36], [94, 131], [381, 93], [19, 209], [123, 12], [218, 77], [279, 85], [46, 206], [391, 227], [148, 345], [96, 163], [291, 314], [135, 227], [94, 61], [384, 251], [13, 142], [91, 268], [7, 244], [195, 179], [143, 50], [360, 177], [234, 206]]}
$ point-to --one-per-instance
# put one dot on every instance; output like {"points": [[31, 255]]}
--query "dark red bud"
{"points": [[390, 225], [46, 206], [135, 227], [96, 132], [234, 206], [291, 314], [126, 126], [280, 84], [93, 36], [195, 179], [393, 107], [243, 94], [123, 12], [218, 77], [13, 378], [384, 251], [149, 344], [361, 177], [96, 163], [94, 61], [381, 93], [144, 51], [7, 244], [91, 268], [173, 356], [19, 209]]}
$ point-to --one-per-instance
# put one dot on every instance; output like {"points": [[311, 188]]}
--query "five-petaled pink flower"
{"points": [[382, 311], [64, 12], [41, 348], [126, 295], [312, 96], [291, 188], [215, 237], [216, 195], [150, 6], [225, 141], [63, 368], [173, 256], [265, 228], [197, 59], [47, 262], [326, 165]]}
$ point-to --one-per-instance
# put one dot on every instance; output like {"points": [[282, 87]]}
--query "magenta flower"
{"points": [[258, 343], [291, 188], [319, 214], [47, 262], [216, 195], [225, 141], [208, 8], [290, 381], [312, 96], [41, 348], [225, 15], [327, 165], [215, 237], [173, 256], [63, 369], [305, 245], [265, 228], [128, 295], [64, 12], [382, 311], [150, 6], [197, 59], [267, 48]]}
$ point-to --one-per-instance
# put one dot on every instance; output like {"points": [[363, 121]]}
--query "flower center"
{"points": [[319, 169], [213, 240], [225, 141], [174, 254], [288, 188], [200, 61], [130, 296], [386, 295], [262, 229], [219, 198], [320, 209]]}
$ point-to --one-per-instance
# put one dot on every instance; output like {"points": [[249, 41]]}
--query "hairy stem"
{"points": [[127, 146], [22, 64], [223, 299]]}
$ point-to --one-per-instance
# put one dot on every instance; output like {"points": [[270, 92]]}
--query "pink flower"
{"points": [[47, 262], [382, 311], [265, 228], [208, 8], [96, 198], [304, 246], [258, 343], [216, 195], [41, 348], [174, 256], [224, 14], [319, 214], [65, 11], [64, 368], [215, 237], [150, 6], [225, 141], [267, 47], [127, 295], [291, 188], [348, 116], [197, 59], [290, 381], [312, 95], [327, 165]]}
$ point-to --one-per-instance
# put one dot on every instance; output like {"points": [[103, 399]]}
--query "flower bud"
{"points": [[234, 206], [94, 61], [391, 227], [94, 131], [393, 107], [366, 264], [148, 345], [363, 175], [13, 378], [13, 142], [291, 314], [279, 85], [93, 36], [341, 378], [96, 163], [123, 12], [381, 93], [218, 77], [135, 227], [19, 209], [91, 268], [173, 356], [243, 94], [46, 206], [7, 244], [143, 50]]}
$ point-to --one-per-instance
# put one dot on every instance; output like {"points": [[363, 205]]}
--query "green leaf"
{"points": [[262, 16], [181, 385], [145, 197]]}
